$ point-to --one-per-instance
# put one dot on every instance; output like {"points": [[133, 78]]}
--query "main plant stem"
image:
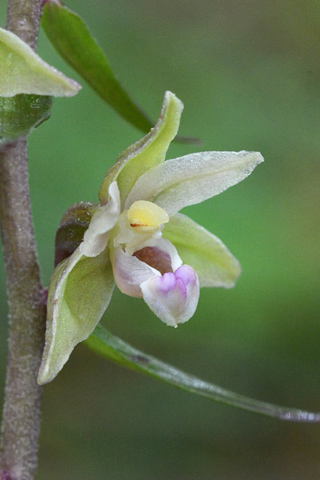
{"points": [[21, 413]]}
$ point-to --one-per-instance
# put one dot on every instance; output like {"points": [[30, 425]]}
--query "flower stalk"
{"points": [[21, 413]]}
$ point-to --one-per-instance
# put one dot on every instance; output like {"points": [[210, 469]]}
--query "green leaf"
{"points": [[115, 349], [79, 293], [23, 71], [72, 228], [20, 114], [70, 36], [203, 251], [146, 153]]}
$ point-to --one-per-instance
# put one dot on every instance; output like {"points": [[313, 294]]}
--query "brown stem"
{"points": [[23, 19], [21, 414], [20, 423]]}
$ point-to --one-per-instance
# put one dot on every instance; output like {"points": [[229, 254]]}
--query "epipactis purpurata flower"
{"points": [[137, 239]]}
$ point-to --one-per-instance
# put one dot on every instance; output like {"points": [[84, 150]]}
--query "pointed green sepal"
{"points": [[79, 293], [72, 228], [146, 153], [203, 251], [71, 38], [115, 349], [23, 71], [20, 114], [193, 178]]}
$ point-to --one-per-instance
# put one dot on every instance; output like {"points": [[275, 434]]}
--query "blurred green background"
{"points": [[249, 75]]}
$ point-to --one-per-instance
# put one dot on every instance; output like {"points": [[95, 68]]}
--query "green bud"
{"points": [[73, 225], [20, 114]]}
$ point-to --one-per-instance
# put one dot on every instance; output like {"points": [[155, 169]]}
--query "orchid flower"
{"points": [[135, 238]]}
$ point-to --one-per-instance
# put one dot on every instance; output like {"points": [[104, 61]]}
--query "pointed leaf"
{"points": [[115, 349], [147, 152], [193, 178], [70, 36], [80, 291], [23, 71], [203, 251]]}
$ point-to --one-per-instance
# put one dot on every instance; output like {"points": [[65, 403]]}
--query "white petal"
{"points": [[129, 272], [193, 178], [173, 297], [96, 237]]}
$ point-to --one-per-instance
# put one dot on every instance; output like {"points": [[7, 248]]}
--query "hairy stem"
{"points": [[23, 19], [21, 413]]}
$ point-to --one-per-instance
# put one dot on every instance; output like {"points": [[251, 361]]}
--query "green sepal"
{"points": [[20, 114], [103, 342], [79, 293], [146, 153], [23, 71], [72, 228], [71, 38], [203, 251]]}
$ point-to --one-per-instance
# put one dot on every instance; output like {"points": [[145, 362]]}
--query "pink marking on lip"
{"points": [[179, 279], [186, 274]]}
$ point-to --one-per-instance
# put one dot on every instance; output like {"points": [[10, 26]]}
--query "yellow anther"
{"points": [[145, 216]]}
